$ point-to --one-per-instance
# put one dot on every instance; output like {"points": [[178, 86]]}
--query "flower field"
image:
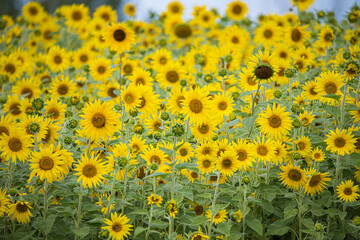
{"points": [[217, 127]]}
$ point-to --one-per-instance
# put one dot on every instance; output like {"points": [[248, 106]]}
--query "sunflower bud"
{"points": [[30, 111], [154, 166], [235, 95], [12, 191], [2, 99], [178, 130], [139, 128], [199, 74], [319, 227], [165, 116], [208, 78], [183, 82], [296, 123], [277, 93], [67, 140], [133, 112], [103, 234], [37, 104], [118, 107], [246, 179], [157, 136], [2, 24], [122, 161], [150, 136], [321, 14], [34, 127], [356, 220], [296, 155], [228, 58], [168, 89], [222, 72], [68, 113], [232, 116], [73, 123], [79, 106], [215, 137], [74, 100], [346, 55], [290, 72], [162, 42]]}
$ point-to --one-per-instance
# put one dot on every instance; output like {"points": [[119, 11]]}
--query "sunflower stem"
{"points": [[35, 143], [244, 208], [172, 185], [45, 202], [342, 107], [300, 213], [112, 191], [253, 107], [213, 204], [125, 184], [337, 169], [79, 211], [150, 219], [357, 91], [120, 66]]}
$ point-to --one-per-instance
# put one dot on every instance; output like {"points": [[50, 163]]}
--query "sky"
{"points": [[256, 7]]}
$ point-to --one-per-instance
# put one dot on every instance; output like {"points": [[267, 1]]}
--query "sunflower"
{"points": [[204, 130], [46, 164], [280, 75], [207, 148], [137, 145], [140, 77], [155, 155], [303, 146], [267, 34], [264, 66], [10, 67], [39, 121], [184, 152], [57, 59], [199, 235], [99, 120], [5, 125], [82, 56], [356, 113], [309, 91], [175, 8], [33, 12], [317, 154], [280, 152], [352, 69], [244, 154], [171, 75], [131, 97], [20, 211], [154, 124], [12, 107], [161, 58], [4, 202], [117, 226], [77, 15], [154, 199], [227, 163], [326, 36], [16, 145], [316, 182], [347, 192], [191, 175], [149, 101], [247, 81], [175, 102], [91, 171], [119, 37], [264, 150], [55, 110], [105, 13], [28, 88], [275, 122], [52, 134], [296, 35], [199, 209], [129, 10], [292, 176], [302, 5], [49, 33], [222, 105], [236, 10], [196, 105], [108, 90], [219, 217], [234, 37], [206, 163], [100, 69], [341, 142]]}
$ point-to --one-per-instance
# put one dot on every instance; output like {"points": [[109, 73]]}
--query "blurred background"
{"points": [[143, 7]]}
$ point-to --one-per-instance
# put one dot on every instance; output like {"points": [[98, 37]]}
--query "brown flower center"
{"points": [[194, 175], [183, 152], [98, 120], [117, 227], [33, 11], [348, 191], [268, 33], [206, 151], [264, 72], [89, 171], [330, 87], [183, 31], [179, 101], [47, 137], [203, 128], [275, 121], [241, 155], [283, 55], [142, 102], [111, 93], [101, 69], [157, 125], [76, 15], [251, 81], [15, 108], [206, 163], [172, 76], [199, 210], [195, 106], [84, 58], [128, 69], [357, 143], [296, 35], [339, 142], [226, 163], [62, 89], [312, 91], [328, 37], [10, 68], [317, 155], [301, 145], [54, 113], [262, 150], [235, 40], [58, 59], [46, 163], [294, 175], [15, 144], [4, 130], [21, 208], [237, 9], [140, 81], [222, 105], [105, 16], [155, 159], [315, 180], [129, 98], [48, 35]]}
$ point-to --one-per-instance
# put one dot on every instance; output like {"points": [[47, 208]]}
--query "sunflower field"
{"points": [[217, 127]]}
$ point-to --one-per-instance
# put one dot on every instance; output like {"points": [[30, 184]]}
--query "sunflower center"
{"points": [[183, 152], [204, 128], [198, 210], [142, 102], [275, 121], [155, 159], [89, 171], [226, 163], [237, 9], [357, 143], [328, 37], [140, 81], [183, 31], [330, 88], [283, 55], [312, 91], [268, 33], [119, 35], [206, 151], [157, 125], [15, 144], [84, 58], [15, 108], [348, 191], [98, 120], [54, 113], [101, 69], [4, 130], [116, 227], [315, 180], [206, 163], [57, 59], [21, 208], [10, 68], [235, 40], [217, 216], [281, 72], [63, 89], [76, 16], [33, 11], [241, 155], [129, 98], [46, 163], [222, 105], [301, 145], [47, 137], [194, 175], [294, 175], [305, 121], [128, 69], [105, 16], [111, 93], [296, 35], [262, 150], [47, 35], [172, 76], [263, 72], [179, 101], [339, 142], [317, 155], [251, 81], [195, 106]]}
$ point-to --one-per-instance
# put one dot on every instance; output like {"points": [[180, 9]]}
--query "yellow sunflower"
{"points": [[119, 37], [57, 59], [154, 199], [316, 182], [296, 35], [149, 101], [309, 91], [199, 235], [292, 176], [264, 150], [227, 163], [118, 226], [244, 153], [185, 152], [317, 154], [175, 8], [171, 208], [27, 87], [302, 5], [303, 146], [236, 10], [140, 77], [206, 163], [196, 105], [247, 81], [55, 110], [129, 9], [137, 145], [219, 217], [105, 13], [16, 145], [222, 105], [100, 69], [347, 191], [5, 125], [171, 75], [341, 142], [155, 155], [20, 211], [4, 202], [131, 97], [77, 15], [306, 118], [175, 102], [100, 120], [326, 36], [268, 34], [33, 12], [10, 67], [204, 130]]}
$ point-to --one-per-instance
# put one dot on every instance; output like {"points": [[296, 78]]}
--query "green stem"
{"points": [[342, 107], [243, 209], [253, 107], [79, 210], [45, 202], [357, 91], [125, 184], [213, 204], [150, 219], [112, 191], [300, 213]]}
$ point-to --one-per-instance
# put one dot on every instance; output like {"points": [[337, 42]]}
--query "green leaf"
{"points": [[254, 224], [333, 96], [333, 110], [308, 223], [355, 159], [159, 224], [187, 193], [49, 223], [278, 228], [267, 206], [223, 228], [138, 230], [290, 212], [204, 195], [82, 232], [157, 174], [189, 166], [140, 211]]}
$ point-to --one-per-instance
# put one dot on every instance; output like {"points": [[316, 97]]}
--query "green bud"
{"points": [[357, 55], [296, 155], [67, 140], [133, 112], [222, 72], [3, 99], [85, 99], [162, 42], [73, 123], [168, 89], [150, 136], [68, 113], [157, 136], [235, 95], [228, 58], [34, 127], [277, 93], [319, 227], [154, 166], [103, 234], [215, 137], [246, 179], [183, 82], [165, 116], [346, 55], [321, 14], [79, 106], [142, 51], [122, 162], [12, 191], [30, 111], [86, 68], [178, 130], [290, 72], [37, 104], [294, 107], [297, 123], [118, 107], [2, 25], [139, 128], [199, 74], [232, 116], [299, 110], [356, 220], [208, 78], [74, 100]]}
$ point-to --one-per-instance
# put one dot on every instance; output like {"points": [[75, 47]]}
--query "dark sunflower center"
{"points": [[339, 142], [281, 72], [283, 55], [48, 35], [194, 175], [117, 227], [111, 93], [89, 171], [84, 58], [206, 151], [105, 16], [4, 130], [101, 69], [222, 105], [251, 81], [275, 121], [47, 137], [328, 37], [142, 102], [235, 40], [10, 68], [54, 113], [315, 180], [27, 91], [179, 101], [155, 159], [21, 208], [157, 125], [128, 69], [262, 150], [46, 163], [172, 76], [312, 91], [268, 33], [330, 88], [33, 11], [119, 35], [199, 210], [206, 163], [348, 191], [76, 15], [305, 121], [63, 89], [183, 152], [294, 175], [264, 72], [15, 144], [195, 106], [98, 120], [317, 155], [140, 81], [213, 178], [203, 128], [237, 9], [226, 163], [357, 143], [242, 155], [296, 35], [183, 31], [301, 145], [15, 108], [129, 98], [58, 59]]}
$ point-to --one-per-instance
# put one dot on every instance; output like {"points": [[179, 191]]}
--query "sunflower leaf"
{"points": [[254, 224], [278, 228]]}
